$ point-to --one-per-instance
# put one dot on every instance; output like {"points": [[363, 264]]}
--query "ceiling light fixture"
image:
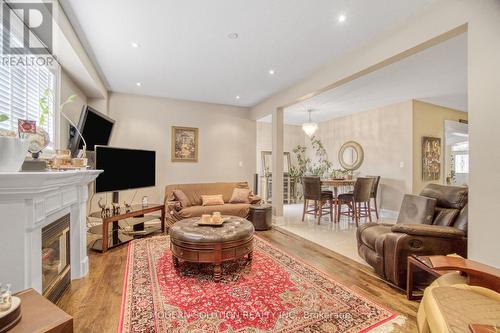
{"points": [[342, 18], [310, 127], [138, 84], [135, 45], [272, 72], [233, 35], [238, 97]]}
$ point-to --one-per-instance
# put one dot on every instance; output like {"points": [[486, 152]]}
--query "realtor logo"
{"points": [[31, 22]]}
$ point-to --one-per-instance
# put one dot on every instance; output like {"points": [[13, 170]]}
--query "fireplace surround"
{"points": [[29, 203]]}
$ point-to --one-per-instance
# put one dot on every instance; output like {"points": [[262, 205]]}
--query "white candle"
{"points": [[205, 218]]}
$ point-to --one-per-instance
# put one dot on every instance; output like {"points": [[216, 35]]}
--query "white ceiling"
{"points": [[437, 75], [185, 52]]}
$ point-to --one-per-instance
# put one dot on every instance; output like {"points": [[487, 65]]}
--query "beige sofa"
{"points": [[449, 305], [175, 212]]}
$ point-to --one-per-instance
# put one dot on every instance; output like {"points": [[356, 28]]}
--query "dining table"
{"points": [[337, 183]]}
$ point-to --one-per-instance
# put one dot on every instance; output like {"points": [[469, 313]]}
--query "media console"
{"points": [[136, 218]]}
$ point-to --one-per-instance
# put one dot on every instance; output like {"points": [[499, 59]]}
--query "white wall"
{"points": [[484, 104], [72, 110], [483, 24], [226, 138], [385, 135]]}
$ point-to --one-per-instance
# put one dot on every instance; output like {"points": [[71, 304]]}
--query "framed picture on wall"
{"points": [[184, 144], [431, 158]]}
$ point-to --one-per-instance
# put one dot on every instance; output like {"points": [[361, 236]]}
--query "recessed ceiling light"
{"points": [[135, 45], [233, 35], [272, 72], [342, 18], [139, 84], [238, 97]]}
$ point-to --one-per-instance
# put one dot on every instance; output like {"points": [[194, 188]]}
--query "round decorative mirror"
{"points": [[351, 155]]}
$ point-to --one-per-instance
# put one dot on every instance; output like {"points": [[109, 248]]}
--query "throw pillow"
{"points": [[240, 195], [212, 200], [182, 198]]}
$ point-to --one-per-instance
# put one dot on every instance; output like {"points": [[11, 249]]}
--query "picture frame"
{"points": [[184, 144], [431, 158]]}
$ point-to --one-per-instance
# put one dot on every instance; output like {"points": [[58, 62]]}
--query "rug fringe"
{"points": [[395, 325]]}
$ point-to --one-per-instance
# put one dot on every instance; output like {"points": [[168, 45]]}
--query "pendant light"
{"points": [[309, 128]]}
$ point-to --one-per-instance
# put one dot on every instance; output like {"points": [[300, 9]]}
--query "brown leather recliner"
{"points": [[386, 246]]}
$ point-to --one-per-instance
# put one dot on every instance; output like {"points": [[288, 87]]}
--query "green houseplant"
{"points": [[46, 101], [322, 167], [305, 166]]}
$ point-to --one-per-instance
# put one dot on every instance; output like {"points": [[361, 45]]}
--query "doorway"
{"points": [[456, 152]]}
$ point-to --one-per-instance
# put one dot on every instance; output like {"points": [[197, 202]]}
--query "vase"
{"points": [[12, 153]]}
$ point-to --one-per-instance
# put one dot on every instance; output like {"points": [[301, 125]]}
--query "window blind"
{"points": [[21, 88]]}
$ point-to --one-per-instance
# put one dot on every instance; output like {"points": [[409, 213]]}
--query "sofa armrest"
{"points": [[173, 206], [428, 230], [255, 199], [172, 215], [398, 245]]}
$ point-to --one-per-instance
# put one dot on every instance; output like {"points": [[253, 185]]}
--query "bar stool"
{"points": [[358, 202], [374, 193], [322, 200]]}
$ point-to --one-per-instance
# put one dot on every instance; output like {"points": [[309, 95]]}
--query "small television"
{"points": [[95, 127], [124, 169]]}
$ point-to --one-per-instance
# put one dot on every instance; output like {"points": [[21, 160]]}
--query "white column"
{"points": [[277, 159], [78, 234], [484, 104]]}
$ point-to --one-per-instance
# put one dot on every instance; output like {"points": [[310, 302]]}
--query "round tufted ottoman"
{"points": [[208, 244]]}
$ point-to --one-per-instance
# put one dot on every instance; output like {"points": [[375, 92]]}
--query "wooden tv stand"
{"points": [[135, 214]]}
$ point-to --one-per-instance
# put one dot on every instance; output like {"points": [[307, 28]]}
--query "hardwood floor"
{"points": [[95, 301]]}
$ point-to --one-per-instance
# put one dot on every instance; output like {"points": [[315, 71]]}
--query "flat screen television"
{"points": [[124, 169], [95, 127]]}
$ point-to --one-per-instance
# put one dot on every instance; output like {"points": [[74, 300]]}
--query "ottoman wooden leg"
{"points": [[217, 272], [175, 260]]}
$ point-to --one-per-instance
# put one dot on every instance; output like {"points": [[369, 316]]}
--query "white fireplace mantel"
{"points": [[28, 202]]}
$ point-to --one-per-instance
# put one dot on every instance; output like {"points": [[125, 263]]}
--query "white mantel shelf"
{"points": [[28, 202]]}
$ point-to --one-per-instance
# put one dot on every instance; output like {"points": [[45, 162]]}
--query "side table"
{"points": [[38, 314], [261, 217], [423, 263]]}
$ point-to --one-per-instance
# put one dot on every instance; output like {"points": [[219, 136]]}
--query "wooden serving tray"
{"points": [[213, 224]]}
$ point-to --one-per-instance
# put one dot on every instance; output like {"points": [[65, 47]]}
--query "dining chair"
{"points": [[322, 200], [357, 202], [374, 193]]}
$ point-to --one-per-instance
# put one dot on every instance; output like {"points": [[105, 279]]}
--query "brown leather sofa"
{"points": [[175, 212], [386, 246]]}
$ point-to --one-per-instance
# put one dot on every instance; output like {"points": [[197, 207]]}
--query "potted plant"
{"points": [[13, 150]]}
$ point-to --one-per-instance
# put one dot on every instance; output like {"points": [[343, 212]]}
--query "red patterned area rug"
{"points": [[273, 293]]}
